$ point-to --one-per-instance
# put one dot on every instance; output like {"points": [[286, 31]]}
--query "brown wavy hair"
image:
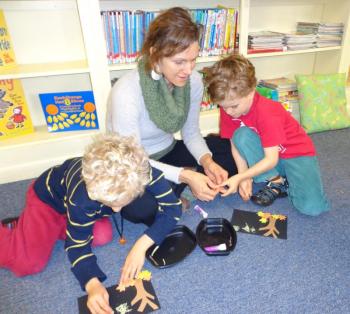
{"points": [[170, 33], [234, 73]]}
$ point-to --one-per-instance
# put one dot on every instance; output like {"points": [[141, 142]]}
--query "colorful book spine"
{"points": [[15, 118], [125, 32]]}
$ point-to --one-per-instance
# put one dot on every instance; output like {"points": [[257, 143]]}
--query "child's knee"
{"points": [[103, 232], [28, 267], [242, 135]]}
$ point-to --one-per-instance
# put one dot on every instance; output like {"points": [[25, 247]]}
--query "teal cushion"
{"points": [[322, 101]]}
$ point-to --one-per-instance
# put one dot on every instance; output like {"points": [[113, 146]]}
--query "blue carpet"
{"points": [[307, 273]]}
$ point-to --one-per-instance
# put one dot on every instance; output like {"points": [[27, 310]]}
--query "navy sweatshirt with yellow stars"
{"points": [[63, 188]]}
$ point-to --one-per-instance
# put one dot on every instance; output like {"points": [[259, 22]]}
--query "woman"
{"points": [[161, 97]]}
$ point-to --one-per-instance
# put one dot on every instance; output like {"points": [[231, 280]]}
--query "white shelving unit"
{"points": [[59, 46]]}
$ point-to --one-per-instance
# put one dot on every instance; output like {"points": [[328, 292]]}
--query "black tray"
{"points": [[175, 247], [215, 231]]}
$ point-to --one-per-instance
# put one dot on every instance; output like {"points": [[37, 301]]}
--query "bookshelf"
{"points": [[62, 48]]}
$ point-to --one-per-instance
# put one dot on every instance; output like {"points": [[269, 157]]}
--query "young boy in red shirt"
{"points": [[268, 144]]}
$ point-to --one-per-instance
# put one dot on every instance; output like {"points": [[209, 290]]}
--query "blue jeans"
{"points": [[303, 173]]}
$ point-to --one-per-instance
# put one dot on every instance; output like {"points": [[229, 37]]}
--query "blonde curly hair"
{"points": [[115, 169]]}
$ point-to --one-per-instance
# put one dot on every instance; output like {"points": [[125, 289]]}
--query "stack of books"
{"points": [[300, 41], [327, 34], [330, 34], [286, 93], [265, 41]]}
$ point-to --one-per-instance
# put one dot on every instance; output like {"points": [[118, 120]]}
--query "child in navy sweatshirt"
{"points": [[73, 200]]}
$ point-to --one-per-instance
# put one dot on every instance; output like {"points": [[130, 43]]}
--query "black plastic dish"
{"points": [[175, 247], [215, 231]]}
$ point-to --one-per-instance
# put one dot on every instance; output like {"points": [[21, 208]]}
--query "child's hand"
{"points": [[245, 189], [230, 186], [98, 297], [135, 260]]}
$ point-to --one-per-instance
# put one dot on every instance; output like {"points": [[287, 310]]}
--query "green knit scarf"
{"points": [[168, 110]]}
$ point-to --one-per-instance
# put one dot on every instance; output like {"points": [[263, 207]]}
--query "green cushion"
{"points": [[322, 101]]}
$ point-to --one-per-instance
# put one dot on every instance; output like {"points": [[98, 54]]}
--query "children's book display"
{"points": [[14, 113], [283, 90], [69, 111], [7, 55], [136, 297], [124, 31]]}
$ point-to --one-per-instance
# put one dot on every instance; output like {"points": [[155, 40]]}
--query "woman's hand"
{"points": [[135, 260], [98, 297], [214, 171], [245, 189], [201, 185]]}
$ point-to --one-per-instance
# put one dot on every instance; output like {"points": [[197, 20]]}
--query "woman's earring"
{"points": [[155, 75]]}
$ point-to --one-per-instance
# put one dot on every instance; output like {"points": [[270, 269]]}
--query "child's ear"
{"points": [[152, 50]]}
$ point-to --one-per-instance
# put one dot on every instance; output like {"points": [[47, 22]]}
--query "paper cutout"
{"points": [[123, 308], [260, 223], [138, 296], [141, 293]]}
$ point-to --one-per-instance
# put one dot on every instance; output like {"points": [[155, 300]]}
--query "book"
{"points": [[267, 92], [69, 111], [280, 83], [15, 118], [7, 54]]}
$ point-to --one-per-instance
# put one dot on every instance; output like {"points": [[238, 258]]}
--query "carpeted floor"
{"points": [[307, 273]]}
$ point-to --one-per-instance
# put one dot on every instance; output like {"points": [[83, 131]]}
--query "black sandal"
{"points": [[270, 193]]}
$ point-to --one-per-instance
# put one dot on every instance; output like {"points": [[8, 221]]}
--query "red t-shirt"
{"points": [[274, 125]]}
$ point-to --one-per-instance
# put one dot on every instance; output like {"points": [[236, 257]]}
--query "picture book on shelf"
{"points": [[14, 113], [7, 55], [69, 111]]}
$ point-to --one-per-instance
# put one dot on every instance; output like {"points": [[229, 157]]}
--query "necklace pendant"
{"points": [[122, 240]]}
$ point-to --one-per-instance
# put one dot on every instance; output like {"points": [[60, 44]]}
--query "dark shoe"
{"points": [[269, 193], [10, 223]]}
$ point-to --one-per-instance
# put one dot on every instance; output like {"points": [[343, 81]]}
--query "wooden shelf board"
{"points": [[44, 69], [132, 65], [291, 52], [41, 135]]}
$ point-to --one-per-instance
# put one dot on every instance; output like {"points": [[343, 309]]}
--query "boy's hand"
{"points": [[230, 185], [98, 297], [135, 260], [245, 189]]}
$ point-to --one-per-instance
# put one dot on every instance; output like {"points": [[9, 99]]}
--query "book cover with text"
{"points": [[15, 118], [69, 111], [7, 54]]}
